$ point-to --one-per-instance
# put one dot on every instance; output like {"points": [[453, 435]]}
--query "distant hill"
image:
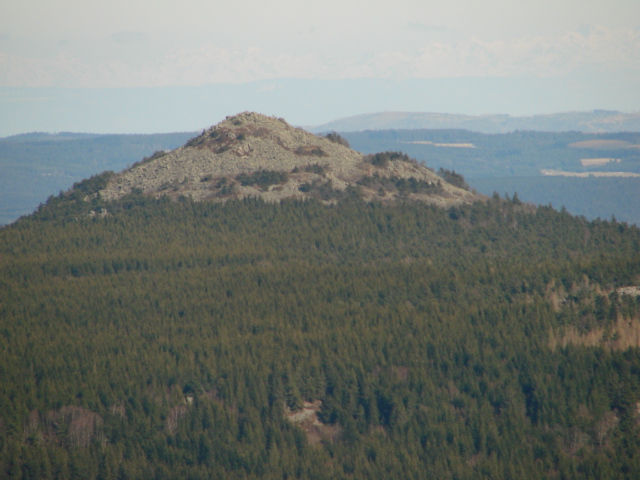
{"points": [[521, 153], [591, 197], [36, 165], [596, 175], [597, 121]]}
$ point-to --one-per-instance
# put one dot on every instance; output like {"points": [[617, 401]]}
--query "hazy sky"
{"points": [[140, 43], [86, 65]]}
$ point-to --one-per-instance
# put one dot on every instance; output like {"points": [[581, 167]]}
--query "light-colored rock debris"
{"points": [[207, 166]]}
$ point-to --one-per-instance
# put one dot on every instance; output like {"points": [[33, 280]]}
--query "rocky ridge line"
{"points": [[250, 154]]}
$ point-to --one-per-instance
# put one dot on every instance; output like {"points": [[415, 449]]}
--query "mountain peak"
{"points": [[250, 154]]}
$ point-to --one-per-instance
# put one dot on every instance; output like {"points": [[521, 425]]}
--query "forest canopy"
{"points": [[167, 339]]}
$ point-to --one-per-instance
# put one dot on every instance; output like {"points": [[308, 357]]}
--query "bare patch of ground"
{"points": [[307, 419], [562, 173], [453, 145], [633, 291], [603, 144], [618, 333], [624, 334], [592, 162]]}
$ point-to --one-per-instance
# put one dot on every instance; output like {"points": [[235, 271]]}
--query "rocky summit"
{"points": [[253, 155]]}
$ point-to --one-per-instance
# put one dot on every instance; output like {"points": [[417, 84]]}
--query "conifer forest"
{"points": [[156, 339]]}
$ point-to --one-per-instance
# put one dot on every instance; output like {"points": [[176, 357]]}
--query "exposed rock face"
{"points": [[250, 154]]}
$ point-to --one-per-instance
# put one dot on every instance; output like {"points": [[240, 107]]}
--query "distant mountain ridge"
{"points": [[36, 165], [597, 121]]}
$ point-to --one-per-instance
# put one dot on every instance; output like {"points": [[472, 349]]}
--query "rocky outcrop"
{"points": [[250, 154]]}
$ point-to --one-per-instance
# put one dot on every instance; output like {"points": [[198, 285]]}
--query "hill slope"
{"points": [[254, 155], [261, 340], [341, 339]]}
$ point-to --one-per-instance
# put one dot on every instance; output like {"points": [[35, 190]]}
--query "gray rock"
{"points": [[207, 166]]}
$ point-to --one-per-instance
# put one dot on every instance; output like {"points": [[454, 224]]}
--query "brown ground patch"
{"points": [[307, 419], [624, 334]]}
